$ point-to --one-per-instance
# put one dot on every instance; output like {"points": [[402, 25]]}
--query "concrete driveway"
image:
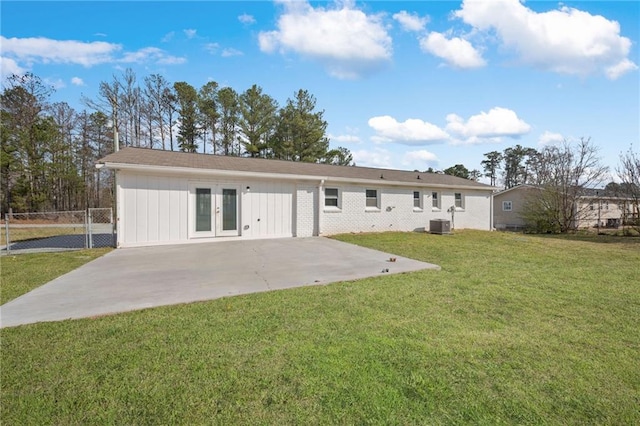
{"points": [[138, 278]]}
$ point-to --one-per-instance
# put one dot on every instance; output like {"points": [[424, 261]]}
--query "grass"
{"points": [[22, 273], [513, 330]]}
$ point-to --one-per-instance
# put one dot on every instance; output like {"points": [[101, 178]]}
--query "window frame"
{"points": [[419, 199], [458, 196], [336, 197], [367, 198], [509, 203], [435, 196]]}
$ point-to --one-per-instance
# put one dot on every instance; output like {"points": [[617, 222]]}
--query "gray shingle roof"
{"points": [[159, 158]]}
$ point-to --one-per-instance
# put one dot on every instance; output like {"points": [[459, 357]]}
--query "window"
{"points": [[331, 197], [507, 206], [435, 200], [417, 200], [372, 199], [459, 201]]}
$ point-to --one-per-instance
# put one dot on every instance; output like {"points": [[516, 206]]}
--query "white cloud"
{"points": [[246, 19], [347, 139], [168, 37], [190, 33], [565, 40], [152, 54], [376, 157], [411, 22], [420, 160], [622, 67], [44, 50], [229, 51], [496, 123], [550, 138], [212, 47], [40, 49], [9, 67], [55, 83], [77, 81], [456, 51], [410, 132], [347, 41]]}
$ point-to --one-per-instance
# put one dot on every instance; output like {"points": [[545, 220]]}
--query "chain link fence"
{"points": [[57, 231]]}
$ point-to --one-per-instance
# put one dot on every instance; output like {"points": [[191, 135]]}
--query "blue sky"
{"points": [[407, 85]]}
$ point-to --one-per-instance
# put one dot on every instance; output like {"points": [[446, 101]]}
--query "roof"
{"points": [[516, 188], [145, 159], [595, 193]]}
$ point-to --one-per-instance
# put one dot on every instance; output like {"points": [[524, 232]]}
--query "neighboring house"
{"points": [[595, 206], [508, 206], [166, 197], [598, 208]]}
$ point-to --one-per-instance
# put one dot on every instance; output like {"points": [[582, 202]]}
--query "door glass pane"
{"points": [[229, 213], [203, 210]]}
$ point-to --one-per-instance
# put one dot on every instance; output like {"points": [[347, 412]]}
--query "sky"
{"points": [[403, 84]]}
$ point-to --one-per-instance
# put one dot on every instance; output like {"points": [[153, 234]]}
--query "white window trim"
{"points": [[461, 207], [509, 203], [420, 206], [378, 203], [439, 206], [337, 208]]}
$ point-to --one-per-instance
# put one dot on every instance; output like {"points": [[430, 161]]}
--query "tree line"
{"points": [[48, 149]]}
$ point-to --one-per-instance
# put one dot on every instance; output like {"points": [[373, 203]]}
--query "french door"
{"points": [[213, 210]]}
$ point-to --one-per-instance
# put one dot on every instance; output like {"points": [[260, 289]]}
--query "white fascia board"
{"points": [[417, 184], [208, 172], [281, 176]]}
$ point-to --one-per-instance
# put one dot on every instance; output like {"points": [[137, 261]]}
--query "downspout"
{"points": [[320, 205], [116, 211], [491, 212]]}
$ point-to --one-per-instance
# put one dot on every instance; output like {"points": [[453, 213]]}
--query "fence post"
{"points": [[86, 231], [90, 228], [6, 227]]}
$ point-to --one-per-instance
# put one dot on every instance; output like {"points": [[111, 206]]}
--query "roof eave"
{"points": [[191, 171]]}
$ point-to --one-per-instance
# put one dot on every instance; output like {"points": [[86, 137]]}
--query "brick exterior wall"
{"points": [[306, 213], [396, 210]]}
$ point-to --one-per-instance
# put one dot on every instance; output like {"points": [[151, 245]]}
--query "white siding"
{"points": [[267, 209], [155, 209]]}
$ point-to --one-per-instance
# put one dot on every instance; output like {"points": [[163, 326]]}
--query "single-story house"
{"points": [[595, 207], [166, 197], [508, 206]]}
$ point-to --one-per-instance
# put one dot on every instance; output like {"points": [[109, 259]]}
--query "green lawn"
{"points": [[22, 273], [514, 329]]}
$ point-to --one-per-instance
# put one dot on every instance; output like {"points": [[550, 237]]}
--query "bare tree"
{"points": [[154, 91], [564, 172], [109, 102], [130, 107], [629, 172]]}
